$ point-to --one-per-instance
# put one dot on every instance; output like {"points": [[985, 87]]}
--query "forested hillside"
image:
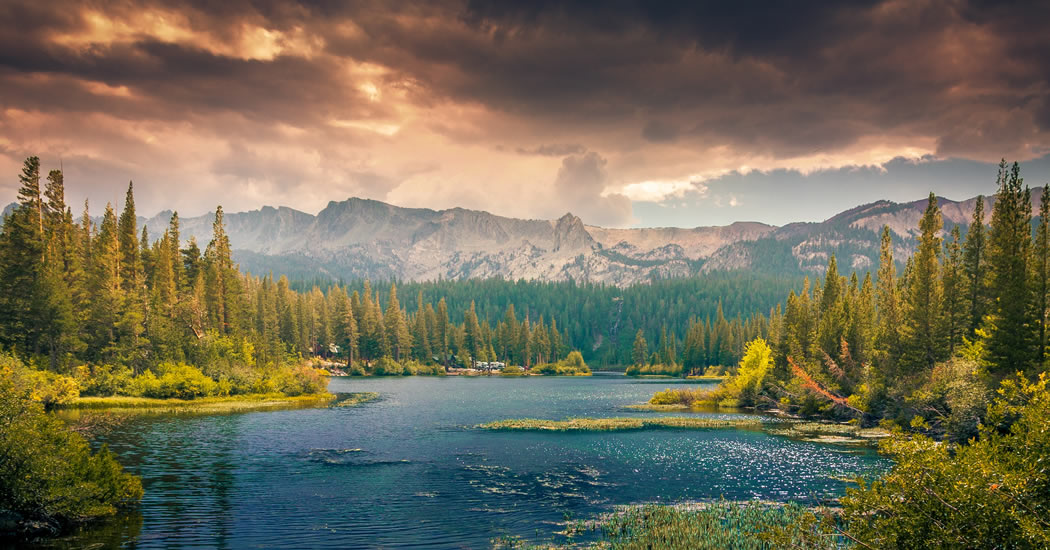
{"points": [[104, 297], [929, 342]]}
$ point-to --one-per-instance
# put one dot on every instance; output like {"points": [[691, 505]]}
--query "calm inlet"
{"points": [[411, 470]]}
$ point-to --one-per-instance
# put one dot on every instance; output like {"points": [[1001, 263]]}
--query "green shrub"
{"points": [[655, 369], [105, 380], [48, 474], [175, 380], [942, 495], [301, 380], [46, 387], [572, 365], [386, 366]]}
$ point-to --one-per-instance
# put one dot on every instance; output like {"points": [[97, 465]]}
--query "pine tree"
{"points": [[29, 196], [832, 316], [862, 323], [472, 333], [396, 328], [133, 313], [923, 325], [105, 288], [955, 316], [441, 332], [1012, 327], [887, 333], [974, 261], [1041, 274]]}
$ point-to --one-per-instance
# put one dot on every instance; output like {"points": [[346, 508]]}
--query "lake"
{"points": [[411, 471]]}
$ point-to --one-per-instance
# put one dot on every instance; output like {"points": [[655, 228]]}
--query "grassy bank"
{"points": [[232, 403], [618, 424]]}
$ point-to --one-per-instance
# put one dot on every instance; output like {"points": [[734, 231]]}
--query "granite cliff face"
{"points": [[359, 238]]}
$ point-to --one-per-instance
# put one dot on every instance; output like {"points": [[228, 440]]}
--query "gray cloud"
{"points": [[553, 149], [580, 183]]}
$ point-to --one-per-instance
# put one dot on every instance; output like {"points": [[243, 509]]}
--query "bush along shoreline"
{"points": [[50, 481]]}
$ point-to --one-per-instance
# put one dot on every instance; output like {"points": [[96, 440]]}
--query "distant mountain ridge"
{"points": [[363, 238]]}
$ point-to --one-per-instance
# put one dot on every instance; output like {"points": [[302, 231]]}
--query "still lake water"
{"points": [[410, 471]]}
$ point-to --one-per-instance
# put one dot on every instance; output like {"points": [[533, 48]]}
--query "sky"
{"points": [[624, 113]]}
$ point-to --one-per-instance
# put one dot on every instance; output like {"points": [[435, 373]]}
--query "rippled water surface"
{"points": [[410, 471]]}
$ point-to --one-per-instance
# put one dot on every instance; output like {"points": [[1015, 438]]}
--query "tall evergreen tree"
{"points": [[1041, 275], [887, 334], [923, 325], [974, 261], [1012, 329], [955, 314], [832, 314]]}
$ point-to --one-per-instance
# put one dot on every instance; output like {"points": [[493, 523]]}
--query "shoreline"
{"points": [[233, 403]]}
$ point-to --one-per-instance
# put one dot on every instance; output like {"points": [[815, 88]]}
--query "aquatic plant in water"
{"points": [[618, 424]]}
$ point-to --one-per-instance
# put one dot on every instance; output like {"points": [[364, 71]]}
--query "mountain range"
{"points": [[362, 238]]}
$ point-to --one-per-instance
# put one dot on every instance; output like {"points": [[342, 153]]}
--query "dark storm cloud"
{"points": [[783, 78], [642, 83]]}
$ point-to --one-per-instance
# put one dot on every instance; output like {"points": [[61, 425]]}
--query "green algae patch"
{"points": [[618, 424], [355, 399]]}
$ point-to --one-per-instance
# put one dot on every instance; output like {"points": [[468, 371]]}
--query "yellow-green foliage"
{"points": [[181, 381], [995, 488], [48, 473], [232, 403], [746, 384], [618, 424], [742, 389], [511, 370], [104, 380], [686, 397], [46, 387], [655, 370], [572, 365], [175, 380]]}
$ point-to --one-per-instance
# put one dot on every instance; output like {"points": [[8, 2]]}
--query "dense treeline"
{"points": [[944, 354], [78, 294], [963, 315], [108, 311], [601, 320], [926, 345]]}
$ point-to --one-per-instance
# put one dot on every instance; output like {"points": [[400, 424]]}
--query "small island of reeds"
{"points": [[618, 424], [355, 399]]}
